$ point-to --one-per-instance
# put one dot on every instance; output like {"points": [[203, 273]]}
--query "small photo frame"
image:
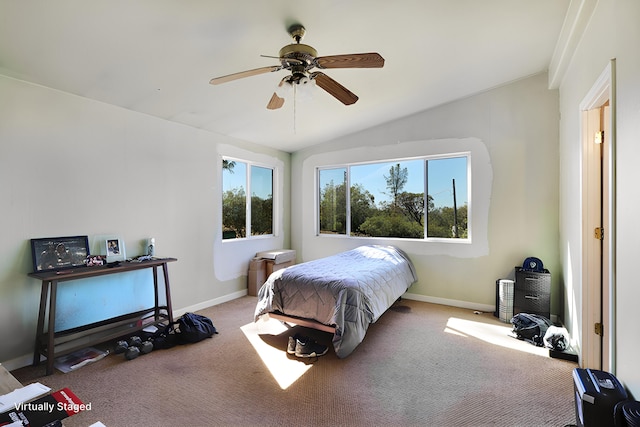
{"points": [[59, 253], [95, 260], [115, 249]]}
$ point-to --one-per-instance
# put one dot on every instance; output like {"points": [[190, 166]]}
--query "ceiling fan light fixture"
{"points": [[299, 85]]}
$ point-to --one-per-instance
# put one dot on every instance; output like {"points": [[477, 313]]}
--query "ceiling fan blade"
{"points": [[242, 74], [355, 60], [335, 89], [275, 102]]}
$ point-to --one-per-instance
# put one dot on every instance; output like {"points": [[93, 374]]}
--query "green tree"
{"points": [[234, 214], [440, 222], [412, 205], [261, 215], [228, 165], [333, 208], [391, 224], [396, 181], [362, 206]]}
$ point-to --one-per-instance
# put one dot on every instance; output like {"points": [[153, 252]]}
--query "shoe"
{"points": [[309, 348], [291, 347]]}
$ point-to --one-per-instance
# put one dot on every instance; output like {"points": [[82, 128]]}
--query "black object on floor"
{"points": [[596, 395]]}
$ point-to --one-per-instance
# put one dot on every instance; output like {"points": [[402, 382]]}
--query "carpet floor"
{"points": [[420, 364]]}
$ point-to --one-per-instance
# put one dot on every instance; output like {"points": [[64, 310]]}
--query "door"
{"points": [[596, 239]]}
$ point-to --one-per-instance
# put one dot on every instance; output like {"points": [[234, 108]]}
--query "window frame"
{"points": [[425, 158], [274, 176]]}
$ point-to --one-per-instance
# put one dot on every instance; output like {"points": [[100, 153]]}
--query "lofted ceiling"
{"points": [[157, 56]]}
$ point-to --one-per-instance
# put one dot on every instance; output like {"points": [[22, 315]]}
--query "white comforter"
{"points": [[349, 290]]}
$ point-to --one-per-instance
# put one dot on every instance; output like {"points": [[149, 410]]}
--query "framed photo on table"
{"points": [[115, 249], [59, 253]]}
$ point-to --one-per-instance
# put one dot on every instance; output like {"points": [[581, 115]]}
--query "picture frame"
{"points": [[59, 253], [115, 249]]}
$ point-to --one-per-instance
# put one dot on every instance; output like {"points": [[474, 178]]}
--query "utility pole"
{"points": [[455, 211]]}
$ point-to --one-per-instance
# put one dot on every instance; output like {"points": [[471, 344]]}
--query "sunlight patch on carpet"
{"points": [[285, 370], [493, 334]]}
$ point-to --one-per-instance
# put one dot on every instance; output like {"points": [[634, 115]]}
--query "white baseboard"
{"points": [[452, 302], [209, 303], [486, 308]]}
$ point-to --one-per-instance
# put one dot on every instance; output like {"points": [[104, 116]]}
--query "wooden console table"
{"points": [[52, 343]]}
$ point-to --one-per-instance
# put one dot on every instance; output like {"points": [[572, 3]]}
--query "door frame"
{"points": [[599, 294]]}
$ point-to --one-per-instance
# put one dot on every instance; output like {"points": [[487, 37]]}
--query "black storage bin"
{"points": [[532, 292], [596, 395]]}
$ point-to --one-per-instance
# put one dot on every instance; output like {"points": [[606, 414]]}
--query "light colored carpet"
{"points": [[420, 365]]}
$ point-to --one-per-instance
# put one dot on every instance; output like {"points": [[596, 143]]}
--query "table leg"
{"points": [[167, 291], [40, 328], [51, 327], [156, 310]]}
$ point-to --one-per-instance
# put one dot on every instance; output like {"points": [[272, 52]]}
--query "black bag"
{"points": [[165, 338], [530, 327], [194, 327]]}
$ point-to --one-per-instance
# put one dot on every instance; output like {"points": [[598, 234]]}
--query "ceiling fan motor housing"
{"points": [[298, 55]]}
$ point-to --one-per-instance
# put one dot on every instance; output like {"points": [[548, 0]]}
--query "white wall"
{"points": [[71, 166], [512, 132], [613, 32]]}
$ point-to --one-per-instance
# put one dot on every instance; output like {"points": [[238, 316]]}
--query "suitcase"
{"points": [[596, 395]]}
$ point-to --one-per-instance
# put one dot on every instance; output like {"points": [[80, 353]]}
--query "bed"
{"points": [[342, 293]]}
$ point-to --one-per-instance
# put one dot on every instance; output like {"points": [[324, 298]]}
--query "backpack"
{"points": [[194, 327], [187, 329], [530, 327]]}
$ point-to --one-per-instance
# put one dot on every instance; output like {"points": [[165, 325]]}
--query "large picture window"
{"points": [[423, 198], [247, 199]]}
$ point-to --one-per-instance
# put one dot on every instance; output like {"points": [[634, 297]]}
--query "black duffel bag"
{"points": [[530, 327], [194, 327]]}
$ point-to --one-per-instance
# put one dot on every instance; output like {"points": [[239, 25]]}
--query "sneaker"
{"points": [[291, 347], [306, 347]]}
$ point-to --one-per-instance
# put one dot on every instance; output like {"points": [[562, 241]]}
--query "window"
{"points": [[388, 199], [333, 202], [247, 193]]}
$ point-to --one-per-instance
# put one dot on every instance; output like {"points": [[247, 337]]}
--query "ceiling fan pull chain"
{"points": [[295, 90]]}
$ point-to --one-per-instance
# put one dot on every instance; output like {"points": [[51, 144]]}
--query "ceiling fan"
{"points": [[300, 59]]}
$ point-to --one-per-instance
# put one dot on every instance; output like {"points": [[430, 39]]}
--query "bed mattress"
{"points": [[348, 291]]}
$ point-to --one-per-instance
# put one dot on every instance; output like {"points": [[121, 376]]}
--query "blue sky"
{"points": [[371, 176], [262, 179], [441, 173]]}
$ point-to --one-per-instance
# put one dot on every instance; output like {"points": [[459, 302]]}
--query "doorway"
{"points": [[598, 225]]}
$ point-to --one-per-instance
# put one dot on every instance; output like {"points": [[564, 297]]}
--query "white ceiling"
{"points": [[157, 56]]}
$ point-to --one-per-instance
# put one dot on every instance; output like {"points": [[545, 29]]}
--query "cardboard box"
{"points": [[279, 256], [273, 266], [277, 259], [257, 275]]}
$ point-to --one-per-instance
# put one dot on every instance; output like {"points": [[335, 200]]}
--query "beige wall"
{"points": [[512, 133], [72, 166], [612, 32]]}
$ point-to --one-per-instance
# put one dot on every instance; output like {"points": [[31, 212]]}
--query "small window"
{"points": [[247, 192], [447, 198], [261, 201], [333, 202]]}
